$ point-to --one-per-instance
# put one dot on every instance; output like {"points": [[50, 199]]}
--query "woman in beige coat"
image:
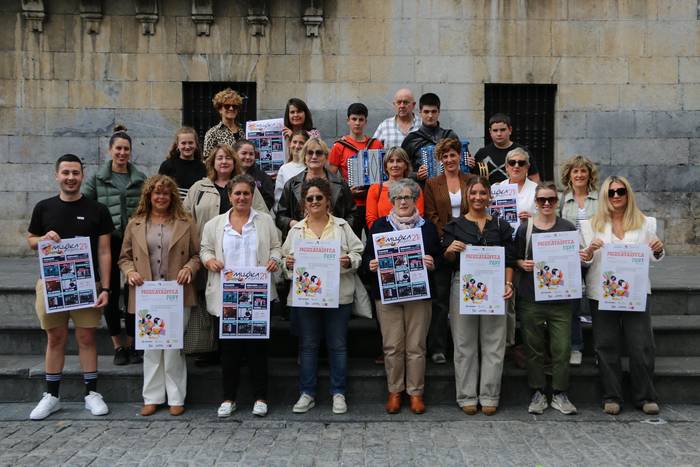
{"points": [[161, 243]]}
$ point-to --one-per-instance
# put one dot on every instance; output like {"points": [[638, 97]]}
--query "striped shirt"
{"points": [[389, 133]]}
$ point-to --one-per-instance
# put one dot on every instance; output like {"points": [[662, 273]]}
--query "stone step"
{"points": [[22, 380]]}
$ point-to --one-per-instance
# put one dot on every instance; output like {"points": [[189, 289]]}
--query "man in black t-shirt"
{"points": [[70, 215], [494, 155]]}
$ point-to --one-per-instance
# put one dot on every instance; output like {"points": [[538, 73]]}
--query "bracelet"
{"points": [[104, 289], [510, 284]]}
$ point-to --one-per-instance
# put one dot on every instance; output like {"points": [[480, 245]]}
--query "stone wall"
{"points": [[628, 76]]}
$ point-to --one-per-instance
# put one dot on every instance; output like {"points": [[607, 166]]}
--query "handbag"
{"points": [[201, 335], [361, 304]]}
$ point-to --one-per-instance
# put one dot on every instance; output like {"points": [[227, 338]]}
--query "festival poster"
{"points": [[402, 274], [504, 204], [159, 315], [316, 275], [246, 303], [482, 280], [267, 137], [557, 272], [68, 274], [625, 277]]}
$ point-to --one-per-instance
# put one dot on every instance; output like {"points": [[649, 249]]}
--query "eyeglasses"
{"points": [[317, 153], [231, 106], [312, 198], [403, 198], [518, 162], [552, 200], [619, 192]]}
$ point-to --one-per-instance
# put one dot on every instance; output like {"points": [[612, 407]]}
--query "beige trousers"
{"points": [[471, 334], [404, 331]]}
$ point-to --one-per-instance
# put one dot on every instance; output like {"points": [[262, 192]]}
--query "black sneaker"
{"points": [[121, 356], [135, 356]]}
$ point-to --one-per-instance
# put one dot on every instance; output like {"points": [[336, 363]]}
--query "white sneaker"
{"points": [[339, 404], [226, 409], [538, 403], [304, 404], [46, 406], [576, 358], [95, 404], [562, 403], [260, 408]]}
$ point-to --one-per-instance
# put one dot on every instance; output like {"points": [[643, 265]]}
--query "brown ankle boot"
{"points": [[393, 403], [417, 404]]}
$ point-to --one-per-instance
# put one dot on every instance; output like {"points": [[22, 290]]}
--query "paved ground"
{"points": [[443, 436]]}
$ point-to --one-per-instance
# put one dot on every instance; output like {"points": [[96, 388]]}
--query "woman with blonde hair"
{"points": [[619, 220], [228, 104], [161, 243], [295, 163]]}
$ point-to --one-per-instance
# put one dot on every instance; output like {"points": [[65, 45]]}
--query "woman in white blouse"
{"points": [[619, 220], [517, 164]]}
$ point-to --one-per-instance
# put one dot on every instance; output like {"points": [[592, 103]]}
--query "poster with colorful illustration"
{"points": [[68, 274], [625, 277], [402, 274], [159, 315], [557, 272], [504, 204], [316, 275], [267, 137], [246, 304], [482, 280]]}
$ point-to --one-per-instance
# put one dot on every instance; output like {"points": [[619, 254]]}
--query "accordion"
{"points": [[366, 168], [435, 168]]}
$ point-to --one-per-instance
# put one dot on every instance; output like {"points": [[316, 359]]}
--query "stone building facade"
{"points": [[627, 75]]}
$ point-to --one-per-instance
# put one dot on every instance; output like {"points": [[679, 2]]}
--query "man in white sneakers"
{"points": [[65, 216]]}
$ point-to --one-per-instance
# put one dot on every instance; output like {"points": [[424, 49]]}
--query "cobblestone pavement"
{"points": [[442, 437]]}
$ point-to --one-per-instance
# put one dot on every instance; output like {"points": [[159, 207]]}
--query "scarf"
{"points": [[404, 223]]}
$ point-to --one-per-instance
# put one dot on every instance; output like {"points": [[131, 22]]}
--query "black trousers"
{"points": [[611, 331], [438, 333], [255, 353], [112, 312]]}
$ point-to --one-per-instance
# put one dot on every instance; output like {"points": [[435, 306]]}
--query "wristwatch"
{"points": [[104, 289]]}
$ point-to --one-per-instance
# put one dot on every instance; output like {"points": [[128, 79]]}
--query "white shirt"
{"points": [[241, 249], [286, 172], [455, 202], [389, 133]]}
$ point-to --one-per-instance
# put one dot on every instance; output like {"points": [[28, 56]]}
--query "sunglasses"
{"points": [[403, 198], [552, 200], [230, 106], [619, 192], [317, 153], [312, 198], [519, 163]]}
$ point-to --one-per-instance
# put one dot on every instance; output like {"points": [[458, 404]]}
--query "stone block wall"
{"points": [[628, 77]]}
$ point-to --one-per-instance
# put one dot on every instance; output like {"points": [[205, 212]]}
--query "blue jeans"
{"points": [[312, 322]]}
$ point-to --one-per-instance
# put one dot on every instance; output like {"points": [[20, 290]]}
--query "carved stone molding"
{"points": [[313, 17], [203, 16], [91, 13], [147, 15], [34, 14], [257, 19]]}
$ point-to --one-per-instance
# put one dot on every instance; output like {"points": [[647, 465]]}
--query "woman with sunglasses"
{"points": [[290, 208], [479, 340], [228, 104], [551, 317], [619, 220], [579, 176], [404, 326], [517, 165], [330, 323]]}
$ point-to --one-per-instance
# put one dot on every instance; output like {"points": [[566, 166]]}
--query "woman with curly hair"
{"points": [[228, 103]]}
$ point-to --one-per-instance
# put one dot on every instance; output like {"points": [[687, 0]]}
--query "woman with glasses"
{"points": [[330, 323], [404, 325], [228, 103], [479, 340], [517, 165], [290, 208], [550, 318], [619, 220]]}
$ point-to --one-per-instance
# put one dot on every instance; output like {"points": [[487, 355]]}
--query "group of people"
{"points": [[213, 209]]}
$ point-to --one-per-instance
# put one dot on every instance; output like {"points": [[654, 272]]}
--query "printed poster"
{"points": [[246, 300], [482, 272], [557, 272], [402, 274], [625, 277], [267, 137], [316, 275], [504, 204], [159, 315], [68, 274]]}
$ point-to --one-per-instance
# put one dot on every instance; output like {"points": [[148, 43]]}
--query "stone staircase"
{"points": [[676, 323]]}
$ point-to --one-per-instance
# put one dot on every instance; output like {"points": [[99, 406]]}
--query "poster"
{"points": [[159, 315], [246, 300], [402, 275], [68, 274], [504, 204], [557, 272], [267, 137], [625, 277], [316, 275], [482, 272]]}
